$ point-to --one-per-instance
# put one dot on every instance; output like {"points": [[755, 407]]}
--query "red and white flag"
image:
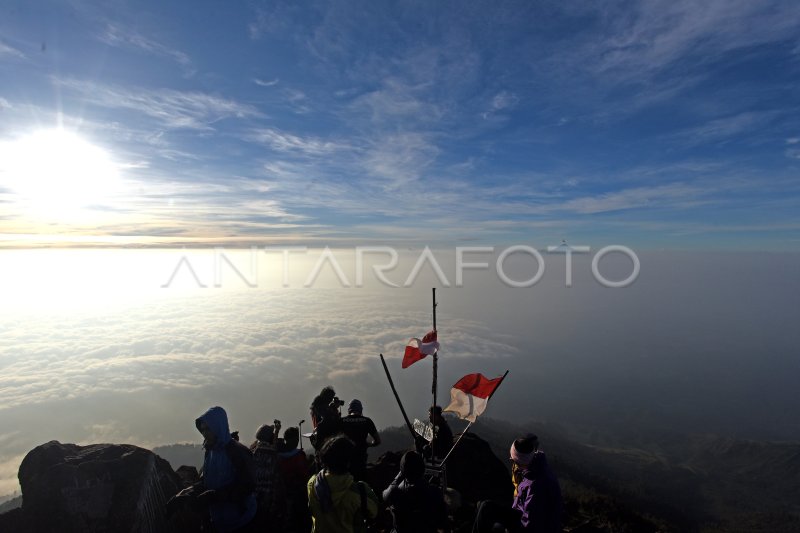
{"points": [[469, 396], [417, 349]]}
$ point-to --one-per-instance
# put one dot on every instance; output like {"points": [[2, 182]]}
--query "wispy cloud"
{"points": [[169, 107], [8, 51], [650, 36], [265, 83], [742, 125], [287, 142], [115, 35]]}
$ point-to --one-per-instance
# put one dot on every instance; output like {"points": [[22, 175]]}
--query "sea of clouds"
{"points": [[96, 349]]}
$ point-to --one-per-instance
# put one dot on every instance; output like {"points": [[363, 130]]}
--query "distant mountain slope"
{"points": [[681, 483], [178, 455]]}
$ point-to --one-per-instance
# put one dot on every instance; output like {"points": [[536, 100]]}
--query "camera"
{"points": [[336, 403]]}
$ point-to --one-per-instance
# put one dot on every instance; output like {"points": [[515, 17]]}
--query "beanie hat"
{"points": [[355, 407], [523, 449]]}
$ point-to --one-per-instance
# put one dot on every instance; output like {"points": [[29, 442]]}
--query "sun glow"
{"points": [[56, 171]]}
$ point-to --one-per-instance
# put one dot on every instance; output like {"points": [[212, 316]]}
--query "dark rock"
{"points": [[97, 488], [477, 474]]}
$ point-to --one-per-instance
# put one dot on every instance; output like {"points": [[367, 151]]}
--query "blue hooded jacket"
{"points": [[228, 470]]}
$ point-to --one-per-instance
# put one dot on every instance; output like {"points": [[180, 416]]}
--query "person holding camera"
{"points": [[327, 418], [416, 506]]}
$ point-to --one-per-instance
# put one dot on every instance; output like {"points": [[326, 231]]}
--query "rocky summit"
{"points": [[96, 488]]}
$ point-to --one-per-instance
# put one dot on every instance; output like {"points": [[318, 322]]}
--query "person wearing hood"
{"points": [[537, 505], [227, 484], [339, 504], [416, 506]]}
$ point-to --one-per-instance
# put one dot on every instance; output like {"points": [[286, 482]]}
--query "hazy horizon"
{"points": [[96, 349]]}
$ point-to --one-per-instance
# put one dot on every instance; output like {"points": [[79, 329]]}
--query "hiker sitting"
{"points": [[416, 506], [537, 505], [338, 503], [226, 490], [268, 486], [357, 428]]}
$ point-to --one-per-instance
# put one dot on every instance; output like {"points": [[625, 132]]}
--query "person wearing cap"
{"points": [[357, 428], [416, 506], [537, 505]]}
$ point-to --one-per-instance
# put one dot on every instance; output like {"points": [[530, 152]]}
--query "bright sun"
{"points": [[56, 169]]}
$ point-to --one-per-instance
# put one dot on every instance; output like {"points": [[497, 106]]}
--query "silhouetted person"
{"points": [[357, 428], [269, 491], [416, 506], [338, 503], [293, 471], [325, 417], [226, 491]]}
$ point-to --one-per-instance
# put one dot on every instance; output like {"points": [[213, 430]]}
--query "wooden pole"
{"points": [[434, 385], [397, 397]]}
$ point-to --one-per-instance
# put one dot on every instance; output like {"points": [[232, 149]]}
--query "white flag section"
{"points": [[470, 395]]}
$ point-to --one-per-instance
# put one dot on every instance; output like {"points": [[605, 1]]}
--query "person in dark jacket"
{"points": [[269, 489], [537, 505], [293, 471], [416, 506], [357, 428], [227, 485]]}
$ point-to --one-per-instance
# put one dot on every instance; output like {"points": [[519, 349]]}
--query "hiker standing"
{"points": [[227, 486], [357, 428]]}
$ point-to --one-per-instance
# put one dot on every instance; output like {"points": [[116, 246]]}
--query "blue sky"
{"points": [[650, 124]]}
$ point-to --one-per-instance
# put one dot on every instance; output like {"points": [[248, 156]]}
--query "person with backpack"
{"points": [[416, 506], [537, 505], [338, 503], [357, 428], [226, 490], [269, 491]]}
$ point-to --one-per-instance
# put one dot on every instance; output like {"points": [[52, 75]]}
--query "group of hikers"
{"points": [[273, 486]]}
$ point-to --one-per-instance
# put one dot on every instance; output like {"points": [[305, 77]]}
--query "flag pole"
{"points": [[397, 397], [435, 371], [470, 424]]}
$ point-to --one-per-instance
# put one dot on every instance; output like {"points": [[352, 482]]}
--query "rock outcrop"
{"points": [[96, 488]]}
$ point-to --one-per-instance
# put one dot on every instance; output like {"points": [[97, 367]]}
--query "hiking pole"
{"points": [[397, 397]]}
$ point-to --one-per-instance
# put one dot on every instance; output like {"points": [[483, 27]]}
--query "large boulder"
{"points": [[477, 473], [96, 488]]}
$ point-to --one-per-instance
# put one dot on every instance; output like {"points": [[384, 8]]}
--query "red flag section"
{"points": [[417, 349], [470, 395], [477, 385]]}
